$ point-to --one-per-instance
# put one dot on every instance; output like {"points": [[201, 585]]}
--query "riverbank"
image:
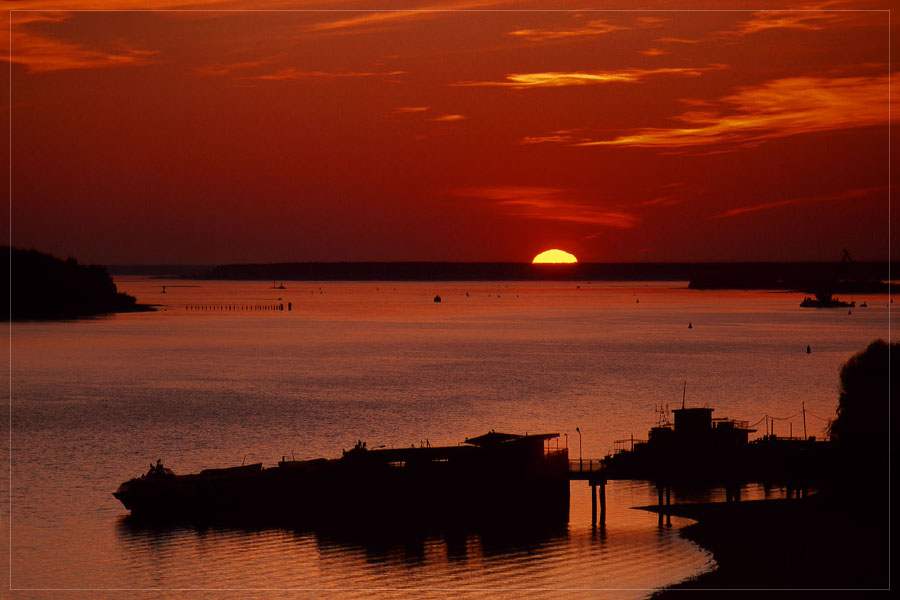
{"points": [[803, 547], [47, 288]]}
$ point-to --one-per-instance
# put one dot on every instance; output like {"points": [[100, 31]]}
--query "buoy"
{"points": [[808, 349], [849, 312], [690, 325], [437, 298]]}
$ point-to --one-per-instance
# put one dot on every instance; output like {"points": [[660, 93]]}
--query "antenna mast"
{"points": [[803, 408]]}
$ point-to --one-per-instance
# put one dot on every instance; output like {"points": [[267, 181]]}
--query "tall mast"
{"points": [[803, 409]]}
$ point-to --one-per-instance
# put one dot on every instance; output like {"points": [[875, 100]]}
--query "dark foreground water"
{"points": [[94, 401]]}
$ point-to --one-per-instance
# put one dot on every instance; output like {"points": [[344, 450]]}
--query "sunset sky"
{"points": [[455, 130]]}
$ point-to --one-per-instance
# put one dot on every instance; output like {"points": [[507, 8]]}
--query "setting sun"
{"points": [[554, 256]]}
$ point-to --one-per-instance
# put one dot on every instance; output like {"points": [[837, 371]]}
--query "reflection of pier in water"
{"points": [[384, 554], [378, 543]]}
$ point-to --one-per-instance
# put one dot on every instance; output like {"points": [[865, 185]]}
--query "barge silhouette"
{"points": [[495, 475]]}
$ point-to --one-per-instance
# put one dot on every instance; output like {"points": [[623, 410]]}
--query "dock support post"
{"points": [[593, 504], [602, 502], [659, 494], [668, 506]]}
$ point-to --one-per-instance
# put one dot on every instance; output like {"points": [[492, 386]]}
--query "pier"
{"points": [[593, 472], [698, 449], [238, 307]]}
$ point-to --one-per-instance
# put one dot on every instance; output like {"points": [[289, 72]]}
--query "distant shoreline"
{"points": [[865, 277]]}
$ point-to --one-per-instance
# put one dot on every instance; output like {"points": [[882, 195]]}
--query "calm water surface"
{"points": [[94, 401]]}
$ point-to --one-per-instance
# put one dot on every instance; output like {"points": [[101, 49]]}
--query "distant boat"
{"points": [[278, 287], [863, 305], [824, 297], [437, 298], [825, 301]]}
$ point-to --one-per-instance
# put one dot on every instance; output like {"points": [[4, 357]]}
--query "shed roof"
{"points": [[493, 438]]}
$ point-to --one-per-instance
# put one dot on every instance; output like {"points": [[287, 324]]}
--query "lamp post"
{"points": [[580, 465]]}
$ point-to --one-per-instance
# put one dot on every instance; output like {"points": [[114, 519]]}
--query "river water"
{"points": [[216, 378]]}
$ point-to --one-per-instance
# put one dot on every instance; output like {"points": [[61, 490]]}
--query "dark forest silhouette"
{"points": [[43, 286], [861, 428]]}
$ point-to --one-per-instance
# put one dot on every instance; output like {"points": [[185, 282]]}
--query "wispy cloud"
{"points": [[651, 21], [661, 201], [675, 40], [521, 81], [566, 136], [292, 73], [410, 109], [695, 102], [449, 118], [812, 19], [591, 28], [367, 21], [654, 52], [228, 69], [40, 53], [23, 18], [550, 203], [266, 70], [775, 109], [852, 194]]}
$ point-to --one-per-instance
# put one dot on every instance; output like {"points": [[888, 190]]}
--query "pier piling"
{"points": [[603, 502], [659, 496]]}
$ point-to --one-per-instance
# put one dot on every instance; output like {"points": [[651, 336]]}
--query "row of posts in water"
{"points": [[239, 307], [792, 490]]}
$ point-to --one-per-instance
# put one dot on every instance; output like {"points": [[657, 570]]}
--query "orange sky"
{"points": [[463, 132]]}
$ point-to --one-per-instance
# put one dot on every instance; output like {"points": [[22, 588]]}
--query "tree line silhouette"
{"points": [[43, 286]]}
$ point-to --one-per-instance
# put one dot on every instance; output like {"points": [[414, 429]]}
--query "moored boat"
{"points": [[483, 477]]}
